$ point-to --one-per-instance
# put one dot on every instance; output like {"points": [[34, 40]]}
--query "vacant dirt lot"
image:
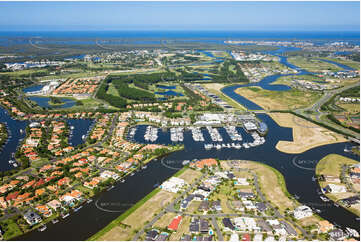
{"points": [[139, 217], [306, 135]]}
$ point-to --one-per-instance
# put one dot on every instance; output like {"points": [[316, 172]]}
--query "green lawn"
{"points": [[353, 64], [11, 229], [331, 165], [312, 65], [112, 90]]}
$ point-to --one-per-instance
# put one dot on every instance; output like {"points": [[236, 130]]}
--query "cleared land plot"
{"points": [[272, 185], [312, 65], [279, 100], [141, 215], [190, 175], [306, 135], [165, 220]]}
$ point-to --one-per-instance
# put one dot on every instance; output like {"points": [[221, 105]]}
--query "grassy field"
{"points": [[331, 165], [306, 135], [112, 90], [351, 108], [279, 100], [353, 64], [220, 53], [107, 232], [11, 228], [312, 65], [216, 89], [272, 185]]}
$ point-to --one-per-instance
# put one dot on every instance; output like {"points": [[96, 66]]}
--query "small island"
{"points": [[55, 101]]}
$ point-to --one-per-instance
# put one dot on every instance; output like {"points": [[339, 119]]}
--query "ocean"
{"points": [[270, 35]]}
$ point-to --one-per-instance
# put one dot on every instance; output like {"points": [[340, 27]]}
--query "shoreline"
{"points": [[325, 162], [304, 133], [118, 221]]}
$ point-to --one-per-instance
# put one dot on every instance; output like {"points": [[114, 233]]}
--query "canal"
{"points": [[297, 173]]}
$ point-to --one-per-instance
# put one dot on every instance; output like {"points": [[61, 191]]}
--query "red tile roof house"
{"points": [[12, 196], [39, 183], [64, 181], [246, 237], [44, 210], [175, 223]]}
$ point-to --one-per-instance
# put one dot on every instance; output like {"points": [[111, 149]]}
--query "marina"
{"points": [[215, 136], [176, 134], [151, 134], [197, 134]]}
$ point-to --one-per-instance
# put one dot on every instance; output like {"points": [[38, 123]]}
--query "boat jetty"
{"points": [[215, 135], [197, 133], [151, 134], [176, 134], [233, 134]]}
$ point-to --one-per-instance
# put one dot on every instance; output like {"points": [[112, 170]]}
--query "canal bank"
{"points": [[297, 169]]}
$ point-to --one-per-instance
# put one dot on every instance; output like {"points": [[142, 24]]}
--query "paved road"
{"points": [[170, 208], [277, 214], [218, 230], [316, 108]]}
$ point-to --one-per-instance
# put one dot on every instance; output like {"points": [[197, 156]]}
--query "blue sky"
{"points": [[297, 16]]}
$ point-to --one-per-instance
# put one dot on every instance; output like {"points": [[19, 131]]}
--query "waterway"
{"points": [[297, 169], [344, 67], [33, 88], [44, 102], [92, 217], [169, 93], [166, 87], [14, 138], [81, 129]]}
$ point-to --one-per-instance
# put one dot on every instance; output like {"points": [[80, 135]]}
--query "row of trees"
{"points": [[115, 101], [225, 74], [132, 93]]}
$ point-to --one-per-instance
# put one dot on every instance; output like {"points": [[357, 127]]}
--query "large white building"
{"points": [[302, 212], [332, 188], [174, 184]]}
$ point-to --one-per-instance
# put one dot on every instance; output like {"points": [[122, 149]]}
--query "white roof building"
{"points": [[332, 188], [234, 237], [302, 212], [174, 184], [258, 237]]}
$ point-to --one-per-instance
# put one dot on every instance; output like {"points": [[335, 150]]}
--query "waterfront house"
{"points": [[332, 188], [324, 226], [54, 204], [31, 217], [337, 235], [302, 212], [44, 210]]}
